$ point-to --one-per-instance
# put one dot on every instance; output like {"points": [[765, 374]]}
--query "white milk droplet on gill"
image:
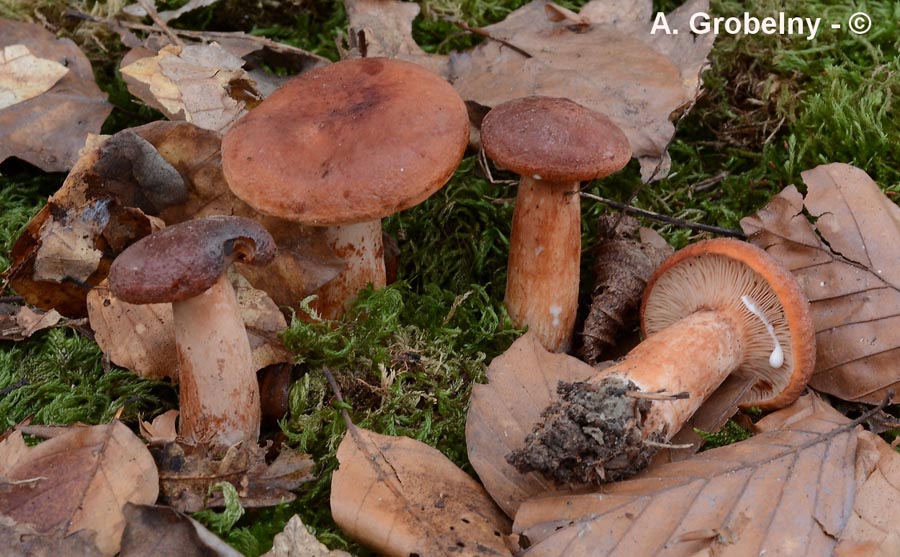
{"points": [[776, 358]]}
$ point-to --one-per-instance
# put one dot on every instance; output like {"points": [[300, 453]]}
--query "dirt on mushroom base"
{"points": [[593, 434]]}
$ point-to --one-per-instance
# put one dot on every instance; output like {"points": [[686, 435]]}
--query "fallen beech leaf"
{"points": [[613, 65], [23, 76], [79, 480], [135, 184], [48, 130], [401, 497], [154, 531], [521, 383], [296, 541], [169, 15], [848, 267], [187, 472], [161, 429], [201, 84], [22, 539], [783, 492], [623, 263], [20, 322]]}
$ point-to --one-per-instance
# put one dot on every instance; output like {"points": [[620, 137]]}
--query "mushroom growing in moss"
{"points": [[186, 264], [553, 144], [716, 308]]}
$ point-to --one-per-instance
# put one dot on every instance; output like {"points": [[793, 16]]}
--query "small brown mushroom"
{"points": [[714, 309], [185, 264], [344, 146], [553, 144]]}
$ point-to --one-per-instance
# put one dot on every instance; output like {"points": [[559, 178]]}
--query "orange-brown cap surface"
{"points": [[553, 139], [351, 142], [762, 296]]}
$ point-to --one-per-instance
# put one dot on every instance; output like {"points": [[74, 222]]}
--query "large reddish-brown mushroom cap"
{"points": [[352, 142], [762, 296], [553, 139], [184, 260]]}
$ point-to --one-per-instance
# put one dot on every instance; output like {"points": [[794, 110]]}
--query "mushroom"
{"points": [[553, 144], [714, 309], [343, 146], [186, 264]]}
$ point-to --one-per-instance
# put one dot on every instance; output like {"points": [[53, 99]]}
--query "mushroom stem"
{"points": [[544, 259], [361, 247], [219, 394]]}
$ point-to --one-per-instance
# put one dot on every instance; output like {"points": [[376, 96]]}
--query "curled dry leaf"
{"points": [[22, 539], [847, 264], [161, 429], [609, 62], [77, 481], [296, 541], [200, 83], [47, 130], [521, 383], [20, 322], [624, 260], [786, 491], [169, 170], [152, 531], [401, 497], [23, 76]]}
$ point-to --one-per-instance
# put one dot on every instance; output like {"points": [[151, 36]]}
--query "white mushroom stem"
{"points": [[544, 261], [360, 246], [219, 393], [693, 355]]}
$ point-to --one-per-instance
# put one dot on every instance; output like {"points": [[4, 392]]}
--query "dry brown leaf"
{"points": [[783, 492], [169, 15], [24, 76], [614, 66], [79, 480], [156, 531], [20, 322], [848, 267], [296, 541], [48, 130], [161, 429], [172, 170], [22, 539], [521, 384], [200, 83], [623, 263], [401, 497]]}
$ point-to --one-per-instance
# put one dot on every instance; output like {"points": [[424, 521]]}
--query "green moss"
{"points": [[730, 433]]}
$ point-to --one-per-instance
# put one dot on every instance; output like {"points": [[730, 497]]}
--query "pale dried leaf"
{"points": [[23, 76], [49, 129], [782, 492], [614, 66], [201, 84], [20, 322], [67, 249], [521, 384], [22, 539], [81, 480], [264, 323], [296, 541], [401, 497], [847, 264], [155, 531], [161, 429]]}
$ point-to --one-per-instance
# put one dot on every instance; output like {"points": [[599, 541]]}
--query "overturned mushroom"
{"points": [[717, 308], [553, 144], [185, 264]]}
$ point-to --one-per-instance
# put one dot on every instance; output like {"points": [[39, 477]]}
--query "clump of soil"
{"points": [[591, 435]]}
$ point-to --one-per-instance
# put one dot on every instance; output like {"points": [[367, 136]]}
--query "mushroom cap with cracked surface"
{"points": [[351, 142], [763, 297], [184, 260], [553, 139]]}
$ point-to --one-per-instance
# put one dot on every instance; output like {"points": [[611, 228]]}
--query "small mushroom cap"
{"points": [[553, 139], [352, 142], [738, 278], [185, 259]]}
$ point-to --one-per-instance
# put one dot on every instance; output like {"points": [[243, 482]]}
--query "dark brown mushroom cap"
{"points": [[714, 275], [184, 260], [351, 142], [553, 139]]}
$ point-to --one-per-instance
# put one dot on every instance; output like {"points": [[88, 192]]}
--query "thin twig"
{"points": [[151, 11], [659, 445], [486, 34], [661, 395], [337, 394], [628, 209]]}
